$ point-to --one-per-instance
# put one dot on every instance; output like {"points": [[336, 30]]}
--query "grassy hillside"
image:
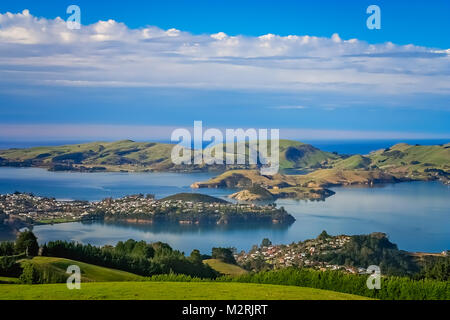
{"points": [[58, 266], [297, 155], [354, 162], [124, 154], [140, 156], [225, 268], [169, 291], [403, 154]]}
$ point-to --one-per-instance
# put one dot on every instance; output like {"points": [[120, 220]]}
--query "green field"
{"points": [[225, 268], [168, 291], [89, 272]]}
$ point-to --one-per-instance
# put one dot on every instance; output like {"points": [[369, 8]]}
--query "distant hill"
{"points": [[297, 155], [194, 197], [96, 156], [354, 162], [416, 157], [404, 162], [401, 162], [128, 155]]}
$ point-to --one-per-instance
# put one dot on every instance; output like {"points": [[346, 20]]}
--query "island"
{"points": [[22, 209]]}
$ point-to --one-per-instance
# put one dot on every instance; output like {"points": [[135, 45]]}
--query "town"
{"points": [[301, 254], [182, 208]]}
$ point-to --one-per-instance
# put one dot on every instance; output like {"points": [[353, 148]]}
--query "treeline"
{"points": [[437, 268], [392, 288], [11, 252], [141, 258]]}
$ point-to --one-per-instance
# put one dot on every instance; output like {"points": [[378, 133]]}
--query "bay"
{"points": [[415, 215]]}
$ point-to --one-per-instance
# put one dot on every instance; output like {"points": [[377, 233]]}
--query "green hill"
{"points": [[124, 154], [416, 156], [225, 268], [354, 162], [297, 155], [168, 291], [194, 197], [56, 267], [141, 156]]}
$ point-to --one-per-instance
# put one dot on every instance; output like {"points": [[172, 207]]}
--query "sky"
{"points": [[137, 70]]}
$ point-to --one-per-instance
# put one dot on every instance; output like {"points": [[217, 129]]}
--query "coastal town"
{"points": [[42, 210], [301, 254]]}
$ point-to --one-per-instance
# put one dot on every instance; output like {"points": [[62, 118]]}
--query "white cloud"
{"points": [[108, 53]]}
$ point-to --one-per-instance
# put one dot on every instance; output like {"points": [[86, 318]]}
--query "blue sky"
{"points": [[403, 21], [309, 67]]}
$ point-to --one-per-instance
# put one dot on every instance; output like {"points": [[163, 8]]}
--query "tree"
{"points": [[6, 248], [26, 242], [29, 275], [223, 254], [324, 235], [196, 257], [266, 242]]}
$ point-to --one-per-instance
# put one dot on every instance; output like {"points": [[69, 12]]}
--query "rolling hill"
{"points": [[127, 155], [225, 268], [57, 268]]}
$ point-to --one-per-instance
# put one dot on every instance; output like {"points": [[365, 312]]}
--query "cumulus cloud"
{"points": [[38, 51]]}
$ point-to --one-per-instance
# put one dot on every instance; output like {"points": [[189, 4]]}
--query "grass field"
{"points": [[89, 272], [168, 291], [225, 268]]}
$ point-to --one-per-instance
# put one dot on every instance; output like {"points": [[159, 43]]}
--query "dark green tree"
{"points": [[266, 242], [26, 242], [223, 254], [196, 257], [29, 275]]}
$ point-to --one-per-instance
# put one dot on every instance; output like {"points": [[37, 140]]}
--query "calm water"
{"points": [[415, 215]]}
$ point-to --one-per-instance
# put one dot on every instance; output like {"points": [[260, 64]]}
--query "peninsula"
{"points": [[21, 209]]}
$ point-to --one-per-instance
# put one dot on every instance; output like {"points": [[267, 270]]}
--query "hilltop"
{"points": [[194, 197]]}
